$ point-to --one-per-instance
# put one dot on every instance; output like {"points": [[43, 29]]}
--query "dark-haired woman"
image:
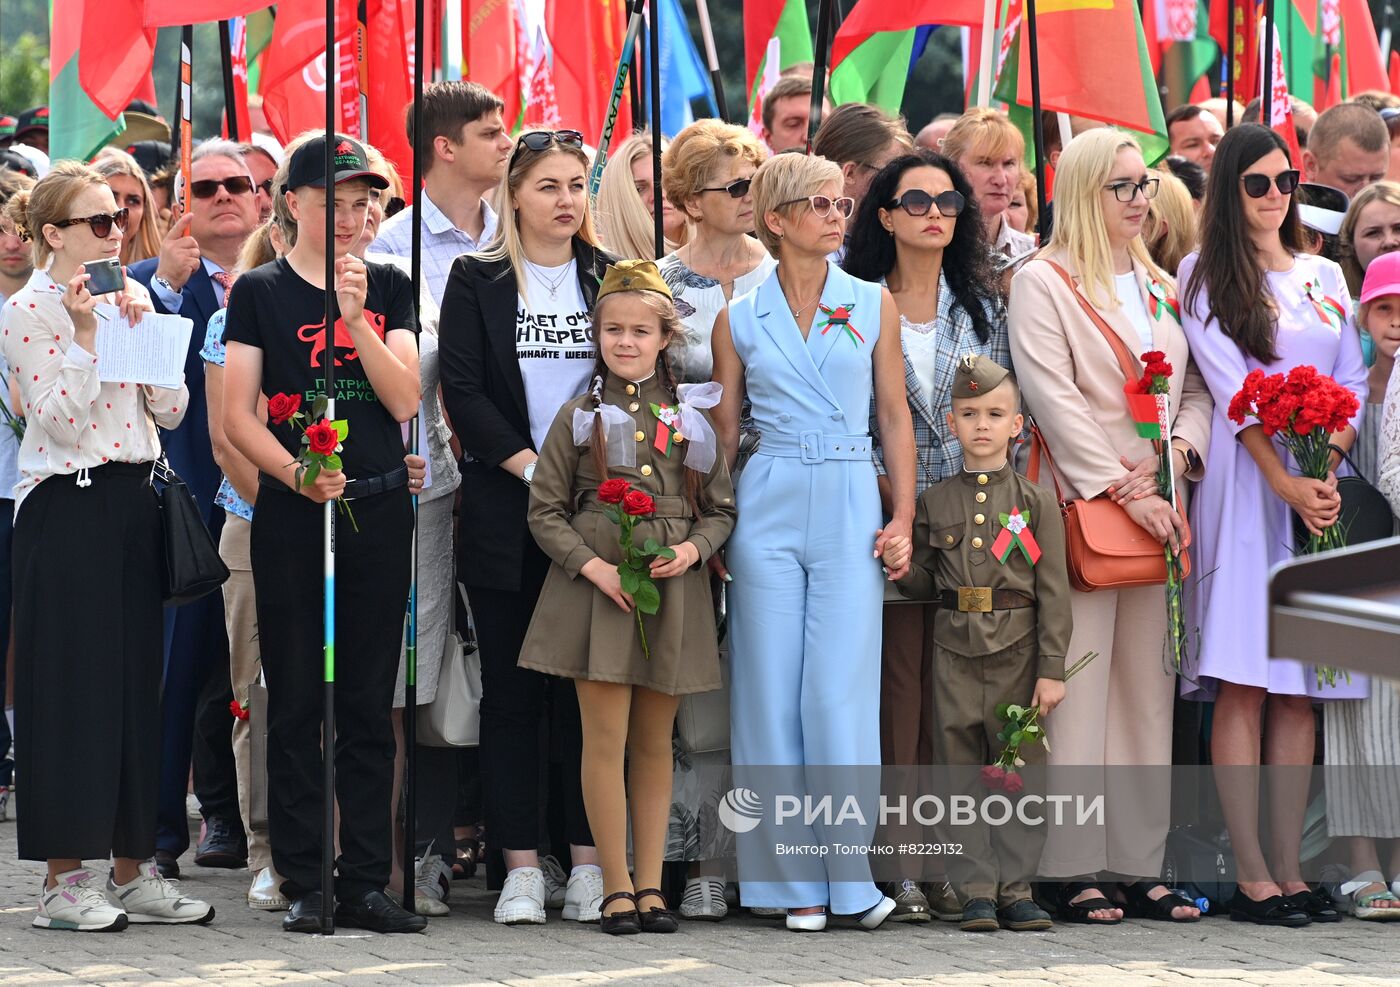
{"points": [[920, 233], [1255, 299]]}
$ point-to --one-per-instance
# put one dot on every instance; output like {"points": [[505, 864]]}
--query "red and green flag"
{"points": [[99, 55], [767, 20], [1149, 413], [874, 48]]}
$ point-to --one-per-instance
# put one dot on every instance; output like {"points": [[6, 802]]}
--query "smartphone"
{"points": [[105, 276]]}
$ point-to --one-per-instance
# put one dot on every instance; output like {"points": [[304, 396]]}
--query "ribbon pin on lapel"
{"points": [[840, 316], [1161, 301], [1329, 310], [1016, 533]]}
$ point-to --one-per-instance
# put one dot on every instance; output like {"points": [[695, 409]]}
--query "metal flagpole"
{"points": [[654, 77], [1037, 122], [629, 43], [1230, 68], [183, 106], [707, 34], [822, 53], [328, 517], [1266, 76], [230, 100]]}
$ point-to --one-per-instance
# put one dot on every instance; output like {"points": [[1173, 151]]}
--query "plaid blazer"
{"points": [[939, 454]]}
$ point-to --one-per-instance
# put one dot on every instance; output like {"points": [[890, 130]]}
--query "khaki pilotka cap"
{"points": [[977, 375], [633, 275]]}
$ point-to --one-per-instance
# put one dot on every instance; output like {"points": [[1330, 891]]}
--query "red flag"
{"points": [[760, 22], [390, 41], [177, 13], [1365, 69], [294, 68], [1395, 71], [1246, 29], [587, 42], [868, 17], [493, 45], [115, 53], [1333, 94], [1280, 106]]}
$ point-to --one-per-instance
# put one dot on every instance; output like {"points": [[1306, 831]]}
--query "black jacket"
{"points": [[484, 394]]}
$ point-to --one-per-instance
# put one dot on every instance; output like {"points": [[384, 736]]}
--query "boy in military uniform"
{"points": [[989, 548]]}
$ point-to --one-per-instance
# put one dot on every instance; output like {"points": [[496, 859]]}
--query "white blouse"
{"points": [[74, 421]]}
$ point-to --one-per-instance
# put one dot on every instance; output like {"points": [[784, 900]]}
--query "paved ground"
{"points": [[247, 948]]}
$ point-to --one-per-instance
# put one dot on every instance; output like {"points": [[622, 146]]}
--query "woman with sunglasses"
{"points": [[1096, 275], [516, 342], [1255, 299], [133, 194], [87, 535], [919, 232], [808, 348]]}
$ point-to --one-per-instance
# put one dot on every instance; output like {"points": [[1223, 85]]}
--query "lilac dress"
{"points": [[1240, 528]]}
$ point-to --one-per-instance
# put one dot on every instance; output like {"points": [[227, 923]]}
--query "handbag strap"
{"points": [[1129, 364], [1039, 448]]}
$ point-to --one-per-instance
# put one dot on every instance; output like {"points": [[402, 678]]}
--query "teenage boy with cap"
{"points": [[32, 128], [277, 344], [989, 549]]}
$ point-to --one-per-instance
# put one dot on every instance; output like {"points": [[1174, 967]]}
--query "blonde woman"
{"points": [[515, 344], [1119, 708], [133, 193], [1169, 230], [1371, 228], [625, 208]]}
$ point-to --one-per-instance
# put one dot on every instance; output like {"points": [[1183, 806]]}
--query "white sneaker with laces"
{"points": [[430, 886], [583, 898], [556, 882], [522, 898], [704, 899], [75, 904], [151, 899]]}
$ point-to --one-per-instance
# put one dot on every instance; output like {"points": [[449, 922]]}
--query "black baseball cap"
{"points": [[36, 118], [308, 164], [151, 155], [7, 125], [14, 161]]}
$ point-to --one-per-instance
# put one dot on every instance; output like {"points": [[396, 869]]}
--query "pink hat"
{"points": [[1382, 277]]}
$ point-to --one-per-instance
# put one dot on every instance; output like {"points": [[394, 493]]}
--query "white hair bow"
{"points": [[701, 444], [617, 431]]}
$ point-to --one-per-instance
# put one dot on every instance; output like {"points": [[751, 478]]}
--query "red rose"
{"points": [[1013, 782], [238, 711], [993, 775], [612, 491], [638, 504], [281, 407], [321, 438]]}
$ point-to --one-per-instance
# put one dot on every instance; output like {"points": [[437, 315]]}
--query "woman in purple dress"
{"points": [[1253, 299]]}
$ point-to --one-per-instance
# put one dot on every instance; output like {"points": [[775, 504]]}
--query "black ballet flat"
{"points": [[1273, 910], [656, 919], [620, 923]]}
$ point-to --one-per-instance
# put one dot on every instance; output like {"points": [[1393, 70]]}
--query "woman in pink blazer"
{"points": [[1119, 707]]}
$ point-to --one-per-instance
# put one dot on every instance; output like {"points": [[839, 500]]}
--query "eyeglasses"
{"points": [[822, 205], [737, 189], [207, 188], [266, 187], [917, 202], [540, 140], [101, 224], [1256, 186], [393, 207], [1128, 191]]}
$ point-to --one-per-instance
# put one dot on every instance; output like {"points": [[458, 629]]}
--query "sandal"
{"points": [[655, 919], [1079, 911], [1274, 910], [1140, 904], [468, 855], [1363, 901], [1317, 905], [626, 923]]}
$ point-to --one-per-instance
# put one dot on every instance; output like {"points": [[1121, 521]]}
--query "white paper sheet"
{"points": [[151, 352]]}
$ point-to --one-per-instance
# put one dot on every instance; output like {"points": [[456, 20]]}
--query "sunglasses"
{"points": [[394, 206], [266, 187], [540, 140], [822, 205], [101, 224], [737, 189], [1128, 191], [917, 202], [1256, 186], [207, 188]]}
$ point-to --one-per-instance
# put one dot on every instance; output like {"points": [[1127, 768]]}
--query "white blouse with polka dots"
{"points": [[74, 421]]}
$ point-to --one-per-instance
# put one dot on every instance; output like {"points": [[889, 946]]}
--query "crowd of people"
{"points": [[792, 459]]}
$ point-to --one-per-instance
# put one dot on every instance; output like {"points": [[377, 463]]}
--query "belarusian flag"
{"points": [[764, 20], [878, 42], [1149, 413], [88, 91]]}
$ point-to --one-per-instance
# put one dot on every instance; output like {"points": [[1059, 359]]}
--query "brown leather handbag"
{"points": [[1105, 548]]}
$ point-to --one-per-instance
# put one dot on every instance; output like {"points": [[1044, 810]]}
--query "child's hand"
{"points": [[687, 555], [605, 577], [898, 552], [1049, 693]]}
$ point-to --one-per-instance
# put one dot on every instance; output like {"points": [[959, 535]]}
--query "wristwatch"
{"points": [[166, 285], [528, 474], [1192, 457]]}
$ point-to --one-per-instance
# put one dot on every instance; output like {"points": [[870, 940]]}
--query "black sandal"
{"points": [[655, 919], [1317, 904], [1273, 910], [1079, 912], [625, 923], [1140, 904], [468, 855]]}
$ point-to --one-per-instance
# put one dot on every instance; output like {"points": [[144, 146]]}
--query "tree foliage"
{"points": [[24, 74]]}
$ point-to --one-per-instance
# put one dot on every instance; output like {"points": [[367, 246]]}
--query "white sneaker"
{"points": [[4, 803], [76, 905], [522, 898], [704, 899], [151, 899], [583, 898], [265, 894], [556, 882], [431, 884]]}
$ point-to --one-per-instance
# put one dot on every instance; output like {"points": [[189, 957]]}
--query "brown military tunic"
{"points": [[577, 631]]}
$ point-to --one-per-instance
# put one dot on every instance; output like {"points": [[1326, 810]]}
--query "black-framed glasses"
{"points": [[823, 205], [539, 140], [1256, 186], [737, 189], [917, 202], [1127, 191], [394, 206], [100, 224], [207, 188]]}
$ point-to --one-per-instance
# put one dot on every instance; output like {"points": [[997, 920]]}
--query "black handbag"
{"points": [[193, 567], [1365, 515]]}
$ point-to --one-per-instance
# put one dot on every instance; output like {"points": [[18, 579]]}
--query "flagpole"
{"points": [[639, 57], [985, 55], [1230, 67], [814, 118], [183, 113], [230, 99], [654, 77], [328, 514], [362, 65], [707, 35], [1266, 76], [595, 176], [1037, 123]]}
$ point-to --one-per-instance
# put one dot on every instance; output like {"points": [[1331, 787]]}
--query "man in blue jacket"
{"points": [[191, 277]]}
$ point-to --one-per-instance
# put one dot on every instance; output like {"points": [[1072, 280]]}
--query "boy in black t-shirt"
{"points": [[277, 345]]}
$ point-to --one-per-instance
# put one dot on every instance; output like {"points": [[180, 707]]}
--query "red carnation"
{"points": [[612, 491], [322, 439], [239, 711], [638, 504], [281, 407]]}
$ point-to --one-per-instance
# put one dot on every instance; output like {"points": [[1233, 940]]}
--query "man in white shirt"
{"points": [[465, 149]]}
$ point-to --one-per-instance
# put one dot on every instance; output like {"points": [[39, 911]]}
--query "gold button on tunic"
{"points": [[646, 470], [641, 436], [979, 518]]}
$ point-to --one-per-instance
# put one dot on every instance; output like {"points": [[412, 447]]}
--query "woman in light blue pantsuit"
{"points": [[806, 347]]}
